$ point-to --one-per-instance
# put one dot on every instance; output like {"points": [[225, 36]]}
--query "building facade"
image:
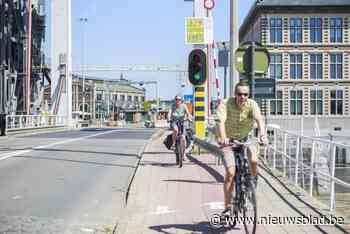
{"points": [[103, 98], [309, 45]]}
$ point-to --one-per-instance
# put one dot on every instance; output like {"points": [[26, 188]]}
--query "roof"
{"points": [[288, 5], [112, 85]]}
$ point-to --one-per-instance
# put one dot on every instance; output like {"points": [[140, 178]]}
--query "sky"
{"points": [[141, 32]]}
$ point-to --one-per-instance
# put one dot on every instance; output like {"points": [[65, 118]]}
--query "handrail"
{"points": [[21, 122], [311, 167]]}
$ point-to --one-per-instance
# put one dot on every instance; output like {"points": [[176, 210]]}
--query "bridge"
{"points": [[124, 180], [66, 169]]}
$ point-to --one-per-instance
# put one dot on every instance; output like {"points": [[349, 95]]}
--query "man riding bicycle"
{"points": [[236, 119], [177, 111]]}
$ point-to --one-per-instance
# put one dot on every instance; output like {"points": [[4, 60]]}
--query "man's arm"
{"points": [[221, 130], [261, 125]]}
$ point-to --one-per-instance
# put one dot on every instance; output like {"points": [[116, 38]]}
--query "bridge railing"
{"points": [[22, 122], [308, 162], [311, 163]]}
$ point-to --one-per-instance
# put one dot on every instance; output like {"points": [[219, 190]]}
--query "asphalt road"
{"points": [[67, 182]]}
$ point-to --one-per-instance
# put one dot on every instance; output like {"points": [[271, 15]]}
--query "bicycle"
{"points": [[180, 143], [244, 199]]}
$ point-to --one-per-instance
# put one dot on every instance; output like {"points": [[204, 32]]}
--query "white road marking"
{"points": [[17, 197], [162, 210], [215, 205], [87, 230], [20, 152]]}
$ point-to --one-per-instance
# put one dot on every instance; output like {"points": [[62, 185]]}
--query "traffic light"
{"points": [[197, 67]]}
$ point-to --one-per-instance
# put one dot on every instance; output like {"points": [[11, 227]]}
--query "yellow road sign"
{"points": [[195, 30]]}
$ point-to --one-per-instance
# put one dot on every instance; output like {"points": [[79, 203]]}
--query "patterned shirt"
{"points": [[238, 121]]}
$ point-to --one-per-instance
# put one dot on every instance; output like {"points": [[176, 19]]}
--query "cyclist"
{"points": [[236, 119], [177, 111]]}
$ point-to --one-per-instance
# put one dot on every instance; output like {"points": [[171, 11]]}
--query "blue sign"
{"points": [[188, 98]]}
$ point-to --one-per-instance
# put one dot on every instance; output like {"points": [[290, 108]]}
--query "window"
{"points": [[136, 99], [122, 97], [316, 66], [276, 30], [129, 98], [99, 97], [316, 29], [276, 66], [336, 27], [142, 99], [296, 30], [336, 102], [276, 105], [296, 66], [316, 102], [296, 102], [336, 66]]}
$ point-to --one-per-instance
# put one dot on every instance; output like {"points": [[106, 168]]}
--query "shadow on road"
{"points": [[218, 177]]}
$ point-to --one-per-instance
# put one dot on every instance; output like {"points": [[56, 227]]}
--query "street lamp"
{"points": [[83, 22]]}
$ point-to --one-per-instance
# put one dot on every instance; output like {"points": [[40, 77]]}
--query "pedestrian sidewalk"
{"points": [[166, 199]]}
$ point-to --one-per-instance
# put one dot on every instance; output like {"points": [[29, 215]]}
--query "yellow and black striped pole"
{"points": [[199, 110]]}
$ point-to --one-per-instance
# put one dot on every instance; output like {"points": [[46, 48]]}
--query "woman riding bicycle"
{"points": [[177, 111]]}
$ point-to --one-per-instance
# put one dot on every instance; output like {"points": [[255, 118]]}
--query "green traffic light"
{"points": [[197, 76]]}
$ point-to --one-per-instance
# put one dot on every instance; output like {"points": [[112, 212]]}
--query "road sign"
{"points": [[209, 4], [264, 88], [188, 98], [243, 56], [199, 30]]}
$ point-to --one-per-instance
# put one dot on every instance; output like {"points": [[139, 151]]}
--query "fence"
{"points": [[21, 122], [311, 163]]}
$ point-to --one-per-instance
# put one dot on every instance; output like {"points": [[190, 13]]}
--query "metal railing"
{"points": [[311, 163], [22, 122]]}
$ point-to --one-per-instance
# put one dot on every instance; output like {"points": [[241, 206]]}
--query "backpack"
{"points": [[168, 141]]}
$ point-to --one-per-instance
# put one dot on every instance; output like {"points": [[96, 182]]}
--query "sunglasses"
{"points": [[243, 94], [177, 99]]}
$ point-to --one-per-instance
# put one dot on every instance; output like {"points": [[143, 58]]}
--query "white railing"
{"points": [[21, 122], [311, 163]]}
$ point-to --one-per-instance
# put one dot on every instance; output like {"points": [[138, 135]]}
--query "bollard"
{"points": [[2, 124]]}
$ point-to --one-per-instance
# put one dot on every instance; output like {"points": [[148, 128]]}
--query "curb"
{"points": [[155, 136]]}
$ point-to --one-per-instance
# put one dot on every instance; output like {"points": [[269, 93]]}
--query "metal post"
{"points": [[312, 167], [252, 72], [84, 21], [234, 41], [285, 153], [332, 199], [29, 57], [297, 162]]}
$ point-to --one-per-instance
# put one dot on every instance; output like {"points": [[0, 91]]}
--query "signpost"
{"points": [[252, 59]]}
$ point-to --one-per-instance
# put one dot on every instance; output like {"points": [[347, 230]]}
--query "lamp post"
{"points": [[83, 22], [234, 41]]}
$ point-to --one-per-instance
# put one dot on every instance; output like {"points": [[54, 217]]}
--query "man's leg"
{"points": [[228, 186], [229, 164], [253, 156]]}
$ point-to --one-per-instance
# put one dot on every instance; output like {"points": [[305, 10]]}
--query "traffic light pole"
{"points": [[252, 71]]}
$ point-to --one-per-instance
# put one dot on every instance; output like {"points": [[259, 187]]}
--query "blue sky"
{"points": [[142, 32]]}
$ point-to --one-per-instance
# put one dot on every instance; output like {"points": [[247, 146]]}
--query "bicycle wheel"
{"points": [[181, 152], [249, 207]]}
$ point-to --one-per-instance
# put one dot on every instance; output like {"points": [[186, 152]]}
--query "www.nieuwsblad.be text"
{"points": [[217, 220]]}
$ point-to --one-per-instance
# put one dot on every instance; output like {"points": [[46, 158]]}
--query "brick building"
{"points": [[309, 44]]}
